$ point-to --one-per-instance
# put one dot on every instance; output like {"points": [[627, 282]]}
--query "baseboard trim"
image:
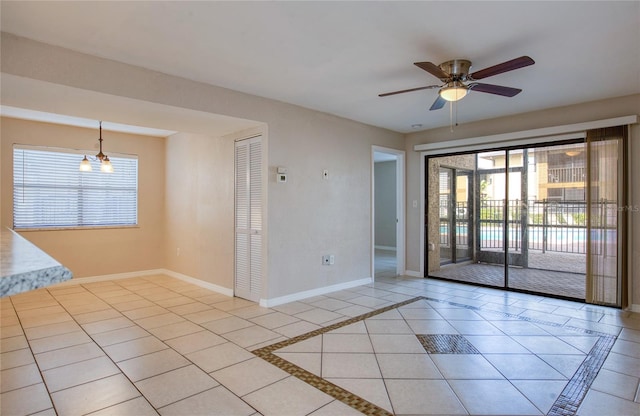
{"points": [[412, 273], [269, 303], [635, 308], [141, 273], [390, 248], [206, 285], [115, 276]]}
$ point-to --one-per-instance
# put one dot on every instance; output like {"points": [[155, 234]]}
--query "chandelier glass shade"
{"points": [[105, 163]]}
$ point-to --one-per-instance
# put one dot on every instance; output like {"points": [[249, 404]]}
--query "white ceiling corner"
{"points": [[28, 114]]}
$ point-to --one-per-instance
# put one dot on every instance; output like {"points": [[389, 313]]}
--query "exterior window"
{"points": [[49, 191]]}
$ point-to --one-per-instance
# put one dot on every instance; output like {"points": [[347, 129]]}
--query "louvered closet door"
{"points": [[248, 207]]}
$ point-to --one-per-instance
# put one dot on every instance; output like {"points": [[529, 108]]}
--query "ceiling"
{"points": [[336, 57], [27, 114]]}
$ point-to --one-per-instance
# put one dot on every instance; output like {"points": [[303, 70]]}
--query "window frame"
{"points": [[76, 226]]}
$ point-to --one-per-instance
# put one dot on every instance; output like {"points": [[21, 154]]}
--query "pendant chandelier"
{"points": [[105, 163]]}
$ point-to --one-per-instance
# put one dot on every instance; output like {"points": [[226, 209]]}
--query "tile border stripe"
{"points": [[337, 392], [349, 321], [354, 401], [569, 401], [566, 404]]}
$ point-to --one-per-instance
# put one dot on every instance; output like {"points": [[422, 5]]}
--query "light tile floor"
{"points": [[385, 263], [158, 345]]}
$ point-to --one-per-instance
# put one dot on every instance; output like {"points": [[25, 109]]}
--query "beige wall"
{"points": [[585, 112], [199, 207], [93, 252], [307, 217]]}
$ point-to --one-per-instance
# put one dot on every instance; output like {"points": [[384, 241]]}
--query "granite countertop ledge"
{"points": [[23, 266]]}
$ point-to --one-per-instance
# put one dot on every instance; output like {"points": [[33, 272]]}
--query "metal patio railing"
{"points": [[555, 226]]}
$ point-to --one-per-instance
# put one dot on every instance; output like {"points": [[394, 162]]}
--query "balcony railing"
{"points": [[566, 175], [558, 226]]}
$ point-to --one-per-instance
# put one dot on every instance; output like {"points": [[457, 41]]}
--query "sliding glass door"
{"points": [[533, 219]]}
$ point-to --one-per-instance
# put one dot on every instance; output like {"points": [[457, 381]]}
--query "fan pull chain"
{"points": [[451, 115]]}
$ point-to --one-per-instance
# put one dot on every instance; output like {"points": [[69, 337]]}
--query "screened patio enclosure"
{"points": [[531, 219]]}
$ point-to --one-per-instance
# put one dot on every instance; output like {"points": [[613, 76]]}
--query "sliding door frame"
{"points": [[523, 139]]}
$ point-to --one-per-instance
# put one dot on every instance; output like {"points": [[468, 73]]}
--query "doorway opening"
{"points": [[387, 207], [456, 231]]}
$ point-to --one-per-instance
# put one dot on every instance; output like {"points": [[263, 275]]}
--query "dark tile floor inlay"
{"points": [[566, 404], [574, 392], [446, 344]]}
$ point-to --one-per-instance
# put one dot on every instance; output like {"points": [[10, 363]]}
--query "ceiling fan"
{"points": [[457, 81]]}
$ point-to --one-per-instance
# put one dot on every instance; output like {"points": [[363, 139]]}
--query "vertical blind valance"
{"points": [[50, 191]]}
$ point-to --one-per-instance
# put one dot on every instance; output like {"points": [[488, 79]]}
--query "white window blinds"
{"points": [[50, 191]]}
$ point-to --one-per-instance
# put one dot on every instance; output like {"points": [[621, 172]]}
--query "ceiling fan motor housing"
{"points": [[458, 69]]}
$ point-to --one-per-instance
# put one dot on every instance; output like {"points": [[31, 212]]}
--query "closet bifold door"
{"points": [[607, 216], [248, 218]]}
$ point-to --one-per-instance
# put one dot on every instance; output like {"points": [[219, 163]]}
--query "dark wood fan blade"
{"points": [[494, 89], [433, 70], [517, 63], [409, 90], [438, 103]]}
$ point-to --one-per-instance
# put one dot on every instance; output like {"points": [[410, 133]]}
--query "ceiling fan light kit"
{"points": [[454, 91], [457, 81]]}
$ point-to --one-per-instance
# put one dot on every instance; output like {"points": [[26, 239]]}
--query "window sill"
{"points": [[77, 228]]}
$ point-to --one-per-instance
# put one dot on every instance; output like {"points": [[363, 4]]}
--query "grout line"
{"points": [[338, 393], [576, 389], [378, 362], [604, 343], [100, 347], [566, 404]]}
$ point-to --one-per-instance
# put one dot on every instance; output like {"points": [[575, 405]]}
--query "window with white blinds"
{"points": [[49, 191]]}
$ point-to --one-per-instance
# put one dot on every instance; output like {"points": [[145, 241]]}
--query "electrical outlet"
{"points": [[332, 259]]}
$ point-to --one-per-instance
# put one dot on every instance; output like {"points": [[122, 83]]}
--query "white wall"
{"points": [[309, 216]]}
